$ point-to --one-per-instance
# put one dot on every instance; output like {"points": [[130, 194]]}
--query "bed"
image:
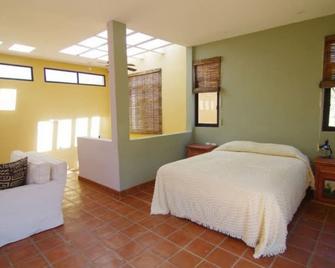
{"points": [[246, 190]]}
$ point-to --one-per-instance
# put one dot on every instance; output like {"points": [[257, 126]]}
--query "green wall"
{"points": [[137, 161], [270, 86]]}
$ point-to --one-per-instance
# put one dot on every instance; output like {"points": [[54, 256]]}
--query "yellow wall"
{"points": [[38, 101], [173, 65]]}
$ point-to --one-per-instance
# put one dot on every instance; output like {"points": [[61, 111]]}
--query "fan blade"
{"points": [[132, 69]]}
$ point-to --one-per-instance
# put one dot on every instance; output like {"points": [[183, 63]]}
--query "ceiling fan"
{"points": [[131, 67]]}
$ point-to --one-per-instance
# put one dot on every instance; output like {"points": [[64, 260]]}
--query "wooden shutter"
{"points": [[206, 75], [328, 80], [145, 103]]}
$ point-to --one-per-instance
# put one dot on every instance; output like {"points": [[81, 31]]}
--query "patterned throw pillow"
{"points": [[13, 174]]}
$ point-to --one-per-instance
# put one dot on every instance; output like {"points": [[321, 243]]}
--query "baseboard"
{"points": [[113, 192]]}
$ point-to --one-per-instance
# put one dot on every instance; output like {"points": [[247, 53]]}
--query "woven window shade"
{"points": [[328, 80], [206, 75], [145, 103]]}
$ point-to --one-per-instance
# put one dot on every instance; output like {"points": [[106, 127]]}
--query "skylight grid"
{"points": [[156, 43], [93, 42], [129, 31], [134, 51], [104, 58], [104, 48], [137, 38], [74, 50], [103, 34], [21, 48], [93, 54], [96, 47]]}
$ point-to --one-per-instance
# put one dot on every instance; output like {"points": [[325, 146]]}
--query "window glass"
{"points": [[331, 121], [91, 79], [207, 108], [59, 76], [8, 71]]}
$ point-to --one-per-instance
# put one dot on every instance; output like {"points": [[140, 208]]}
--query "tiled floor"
{"points": [[101, 231]]}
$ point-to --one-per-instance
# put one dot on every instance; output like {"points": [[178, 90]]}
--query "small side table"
{"points": [[196, 149], [325, 180]]}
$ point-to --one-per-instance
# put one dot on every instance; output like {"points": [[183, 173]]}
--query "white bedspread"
{"points": [[246, 195]]}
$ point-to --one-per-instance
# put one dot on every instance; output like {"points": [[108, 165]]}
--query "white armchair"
{"points": [[33, 208]]}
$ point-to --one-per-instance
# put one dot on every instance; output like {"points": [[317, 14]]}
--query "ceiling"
{"points": [[54, 25]]}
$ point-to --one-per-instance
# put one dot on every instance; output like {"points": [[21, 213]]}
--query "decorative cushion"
{"points": [[13, 174], [38, 169]]}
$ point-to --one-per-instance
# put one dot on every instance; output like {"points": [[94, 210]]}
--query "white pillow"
{"points": [[263, 148], [58, 168], [38, 171]]}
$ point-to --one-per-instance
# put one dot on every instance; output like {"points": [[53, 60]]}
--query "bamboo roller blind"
{"points": [[145, 102], [328, 80], [206, 75]]}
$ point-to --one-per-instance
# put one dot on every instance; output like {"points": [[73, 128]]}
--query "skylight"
{"points": [[93, 42], [156, 43], [137, 38], [129, 31], [134, 51], [74, 50], [104, 48], [93, 54], [21, 48], [104, 58], [103, 34], [96, 47]]}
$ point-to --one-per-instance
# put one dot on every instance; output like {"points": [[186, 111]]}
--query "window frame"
{"points": [[197, 124], [326, 109], [19, 65], [198, 90], [77, 73]]}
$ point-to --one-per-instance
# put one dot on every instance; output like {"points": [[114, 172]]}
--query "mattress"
{"points": [[247, 195]]}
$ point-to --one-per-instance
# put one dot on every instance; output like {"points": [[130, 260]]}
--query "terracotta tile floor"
{"points": [[101, 231]]}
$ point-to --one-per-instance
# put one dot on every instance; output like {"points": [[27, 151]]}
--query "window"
{"points": [[44, 136], [328, 80], [145, 104], [58, 76], [95, 127], [16, 72], [328, 83], [328, 123], [91, 79], [64, 133], [81, 128], [73, 77], [7, 99], [207, 112], [206, 87]]}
